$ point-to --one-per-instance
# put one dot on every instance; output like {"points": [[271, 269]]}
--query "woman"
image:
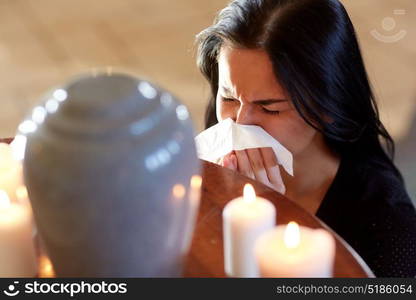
{"points": [[294, 68]]}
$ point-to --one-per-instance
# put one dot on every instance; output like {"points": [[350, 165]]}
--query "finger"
{"points": [[276, 179], [222, 159], [234, 161], [269, 157], [244, 166], [257, 165], [272, 169], [230, 162]]}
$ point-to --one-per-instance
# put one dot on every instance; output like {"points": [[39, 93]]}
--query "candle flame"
{"points": [[46, 268], [4, 200], [18, 147], [196, 181], [292, 235], [195, 194], [21, 193], [178, 191], [249, 194]]}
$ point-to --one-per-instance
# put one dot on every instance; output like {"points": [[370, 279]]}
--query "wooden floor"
{"points": [[44, 42]]}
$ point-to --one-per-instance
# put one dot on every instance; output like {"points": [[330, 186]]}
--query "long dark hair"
{"points": [[316, 57]]}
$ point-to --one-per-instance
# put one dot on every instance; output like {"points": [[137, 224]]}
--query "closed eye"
{"points": [[227, 99], [272, 112]]}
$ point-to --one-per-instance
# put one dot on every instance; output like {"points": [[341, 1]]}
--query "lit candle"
{"points": [[293, 251], [187, 205], [45, 267], [10, 171], [244, 220], [192, 210], [17, 251], [178, 201]]}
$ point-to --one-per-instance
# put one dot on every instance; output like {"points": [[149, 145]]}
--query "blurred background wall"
{"points": [[43, 42]]}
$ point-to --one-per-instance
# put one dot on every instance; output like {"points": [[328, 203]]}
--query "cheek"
{"points": [[225, 110], [291, 131], [288, 128]]}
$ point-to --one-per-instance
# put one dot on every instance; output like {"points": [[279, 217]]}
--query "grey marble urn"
{"points": [[108, 163]]}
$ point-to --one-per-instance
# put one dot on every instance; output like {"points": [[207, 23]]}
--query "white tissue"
{"points": [[226, 136]]}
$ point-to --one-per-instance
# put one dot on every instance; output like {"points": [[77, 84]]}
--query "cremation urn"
{"points": [[108, 164]]}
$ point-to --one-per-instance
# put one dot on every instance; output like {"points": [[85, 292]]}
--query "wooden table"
{"points": [[219, 186]]}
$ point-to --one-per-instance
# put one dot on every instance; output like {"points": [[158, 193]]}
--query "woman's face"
{"points": [[249, 93]]}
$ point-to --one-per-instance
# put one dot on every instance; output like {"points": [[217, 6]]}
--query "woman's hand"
{"points": [[259, 164]]}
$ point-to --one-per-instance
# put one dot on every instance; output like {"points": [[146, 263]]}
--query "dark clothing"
{"points": [[369, 207]]}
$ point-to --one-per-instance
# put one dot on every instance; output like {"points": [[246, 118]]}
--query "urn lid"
{"points": [[105, 106]]}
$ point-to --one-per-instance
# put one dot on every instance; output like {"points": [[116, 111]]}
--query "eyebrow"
{"points": [[261, 101], [269, 101]]}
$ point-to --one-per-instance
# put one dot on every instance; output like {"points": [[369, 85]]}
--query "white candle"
{"points": [[17, 251], [293, 251], [177, 201], [192, 210], [186, 205], [244, 220]]}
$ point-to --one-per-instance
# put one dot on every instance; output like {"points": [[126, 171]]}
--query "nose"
{"points": [[244, 116]]}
